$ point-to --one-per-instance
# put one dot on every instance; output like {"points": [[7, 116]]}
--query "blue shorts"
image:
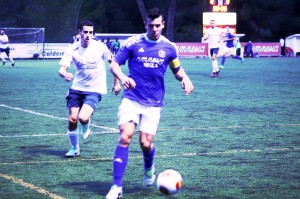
{"points": [[214, 51], [78, 98], [6, 50]]}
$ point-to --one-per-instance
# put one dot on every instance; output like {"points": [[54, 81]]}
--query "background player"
{"points": [[149, 56], [229, 48], [4, 47], [213, 35]]}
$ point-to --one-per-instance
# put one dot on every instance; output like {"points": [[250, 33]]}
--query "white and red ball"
{"points": [[169, 182]]}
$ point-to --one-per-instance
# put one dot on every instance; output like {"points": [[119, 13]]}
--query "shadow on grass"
{"points": [[38, 150]]}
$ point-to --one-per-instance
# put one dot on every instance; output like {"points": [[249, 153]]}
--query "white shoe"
{"points": [[86, 130], [73, 152], [114, 192], [221, 66], [149, 176]]}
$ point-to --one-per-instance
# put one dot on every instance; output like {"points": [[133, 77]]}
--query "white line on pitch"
{"points": [[230, 127], [291, 148], [54, 117], [55, 134], [30, 186]]}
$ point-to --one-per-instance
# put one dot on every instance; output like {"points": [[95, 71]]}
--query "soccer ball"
{"points": [[169, 182]]}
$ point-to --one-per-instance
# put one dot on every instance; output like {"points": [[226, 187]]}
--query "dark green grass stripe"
{"points": [[287, 149]]}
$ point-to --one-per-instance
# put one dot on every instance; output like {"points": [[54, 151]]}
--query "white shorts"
{"points": [[146, 117], [231, 51]]}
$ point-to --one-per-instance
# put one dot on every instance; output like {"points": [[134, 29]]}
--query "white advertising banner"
{"points": [[50, 50]]}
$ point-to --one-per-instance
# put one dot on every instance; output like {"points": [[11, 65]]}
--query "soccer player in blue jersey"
{"points": [[89, 82], [229, 48], [149, 55]]}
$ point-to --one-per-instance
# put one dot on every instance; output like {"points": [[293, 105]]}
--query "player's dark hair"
{"points": [[85, 23], [154, 13]]}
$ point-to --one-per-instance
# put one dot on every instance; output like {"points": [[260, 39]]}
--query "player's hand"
{"points": [[68, 76], [116, 88], [128, 83], [187, 85]]}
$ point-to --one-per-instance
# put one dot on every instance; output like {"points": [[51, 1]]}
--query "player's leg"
{"points": [[120, 159], [73, 132], [2, 56], [10, 57], [148, 149], [89, 106], [223, 59], [84, 119], [215, 66], [73, 103], [234, 56], [213, 62], [148, 127], [7, 51], [128, 120]]}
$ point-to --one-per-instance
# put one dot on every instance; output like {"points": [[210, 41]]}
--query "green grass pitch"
{"points": [[236, 136]]}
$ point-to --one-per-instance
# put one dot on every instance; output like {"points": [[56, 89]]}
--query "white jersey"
{"points": [[3, 41], [214, 37], [89, 64]]}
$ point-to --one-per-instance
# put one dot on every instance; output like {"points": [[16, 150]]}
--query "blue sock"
{"points": [[120, 163], [149, 158], [223, 60], [74, 140], [237, 57]]}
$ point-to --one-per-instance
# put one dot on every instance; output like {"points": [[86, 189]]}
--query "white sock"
{"points": [[215, 65]]}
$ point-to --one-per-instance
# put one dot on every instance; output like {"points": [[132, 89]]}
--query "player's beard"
{"points": [[154, 35]]}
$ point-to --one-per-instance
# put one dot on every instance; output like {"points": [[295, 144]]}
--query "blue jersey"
{"points": [[147, 62], [229, 43]]}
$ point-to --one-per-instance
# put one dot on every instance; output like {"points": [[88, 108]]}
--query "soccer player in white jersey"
{"points": [[89, 82], [4, 47], [149, 55], [214, 35]]}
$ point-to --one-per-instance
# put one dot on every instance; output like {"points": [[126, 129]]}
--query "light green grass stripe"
{"points": [[30, 186]]}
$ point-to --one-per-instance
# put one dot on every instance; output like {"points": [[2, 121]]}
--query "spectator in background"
{"points": [[109, 44], [248, 49], [282, 46], [4, 47], [116, 46]]}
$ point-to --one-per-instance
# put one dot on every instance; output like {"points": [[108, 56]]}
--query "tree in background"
{"points": [[259, 20]]}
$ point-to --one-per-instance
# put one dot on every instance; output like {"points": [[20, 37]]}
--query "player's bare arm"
{"points": [[181, 76], [186, 83], [127, 82], [63, 72], [116, 86]]}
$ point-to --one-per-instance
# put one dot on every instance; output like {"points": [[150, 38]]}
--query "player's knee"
{"points": [[72, 120], [83, 120], [145, 145], [124, 139]]}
